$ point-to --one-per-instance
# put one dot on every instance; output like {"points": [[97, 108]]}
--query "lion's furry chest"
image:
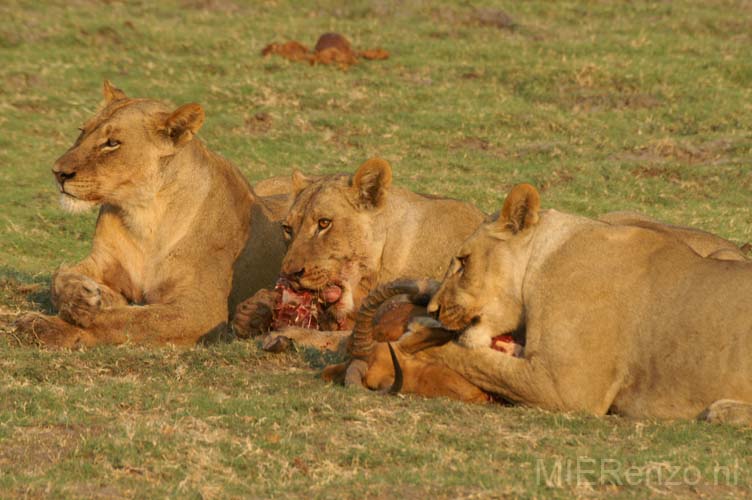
{"points": [[152, 259]]}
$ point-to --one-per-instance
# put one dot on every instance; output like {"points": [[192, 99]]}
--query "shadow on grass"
{"points": [[24, 290], [310, 356], [317, 359]]}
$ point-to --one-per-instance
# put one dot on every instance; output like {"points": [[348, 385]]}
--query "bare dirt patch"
{"points": [[552, 149], [478, 144], [672, 150], [494, 18], [22, 82], [34, 449], [558, 177], [105, 35], [653, 172], [260, 123], [479, 17], [223, 6], [597, 101], [7, 319]]}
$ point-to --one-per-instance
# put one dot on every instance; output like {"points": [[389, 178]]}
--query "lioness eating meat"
{"points": [[347, 234], [616, 318]]}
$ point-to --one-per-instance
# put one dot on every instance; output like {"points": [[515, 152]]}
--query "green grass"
{"points": [[603, 105]]}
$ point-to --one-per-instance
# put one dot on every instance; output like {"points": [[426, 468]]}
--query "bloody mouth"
{"points": [[303, 307]]}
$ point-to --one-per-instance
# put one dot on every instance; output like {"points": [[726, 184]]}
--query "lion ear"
{"points": [[371, 181], [520, 208], [299, 181], [112, 93], [183, 123]]}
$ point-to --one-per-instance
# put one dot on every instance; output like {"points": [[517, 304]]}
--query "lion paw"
{"points": [[276, 343], [254, 316], [728, 411], [39, 329], [79, 299]]}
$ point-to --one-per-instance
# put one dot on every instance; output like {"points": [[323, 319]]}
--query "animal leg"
{"points": [[156, 324], [335, 373], [728, 411], [254, 315], [524, 381], [159, 324], [79, 298], [334, 341], [40, 329]]}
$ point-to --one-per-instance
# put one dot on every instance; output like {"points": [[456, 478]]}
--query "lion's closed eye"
{"points": [[111, 144], [460, 264]]}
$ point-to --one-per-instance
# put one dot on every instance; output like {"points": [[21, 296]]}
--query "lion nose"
{"points": [[433, 308], [63, 176], [294, 275]]}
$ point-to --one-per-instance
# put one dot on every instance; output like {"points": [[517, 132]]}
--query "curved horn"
{"points": [[398, 379], [362, 333]]}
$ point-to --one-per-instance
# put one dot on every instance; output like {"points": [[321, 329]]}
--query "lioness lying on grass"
{"points": [[346, 234], [614, 318], [173, 219], [350, 234]]}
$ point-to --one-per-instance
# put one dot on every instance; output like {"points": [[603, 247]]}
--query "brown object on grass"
{"points": [[374, 54], [331, 48], [395, 367], [332, 41], [293, 51]]}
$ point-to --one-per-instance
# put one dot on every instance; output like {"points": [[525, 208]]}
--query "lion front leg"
{"points": [[520, 380], [180, 323], [79, 298], [254, 316], [40, 329]]}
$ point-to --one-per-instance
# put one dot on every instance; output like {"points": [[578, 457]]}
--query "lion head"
{"points": [[468, 300], [116, 158], [334, 238]]}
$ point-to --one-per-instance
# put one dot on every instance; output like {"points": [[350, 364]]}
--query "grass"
{"points": [[603, 105]]}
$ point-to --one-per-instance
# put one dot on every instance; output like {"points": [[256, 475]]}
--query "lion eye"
{"points": [[288, 230], [462, 261], [111, 143], [324, 223]]}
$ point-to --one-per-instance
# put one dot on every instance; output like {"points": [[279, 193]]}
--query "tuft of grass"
{"points": [[603, 105]]}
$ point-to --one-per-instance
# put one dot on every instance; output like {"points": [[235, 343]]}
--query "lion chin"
{"points": [[345, 304], [74, 205]]}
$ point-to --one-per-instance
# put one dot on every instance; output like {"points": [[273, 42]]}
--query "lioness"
{"points": [[173, 219], [408, 366], [616, 318], [347, 234]]}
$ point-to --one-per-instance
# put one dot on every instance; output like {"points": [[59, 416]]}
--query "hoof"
{"points": [[276, 344]]}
